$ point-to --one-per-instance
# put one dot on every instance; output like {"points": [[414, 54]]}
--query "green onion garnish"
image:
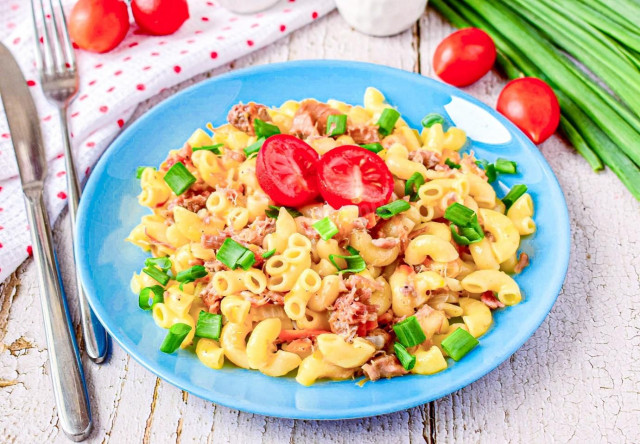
{"points": [[215, 149], [174, 338], [163, 263], [264, 129], [387, 121], [451, 164], [391, 209], [208, 325], [352, 250], [459, 343], [273, 211], [326, 228], [489, 169], [140, 170], [149, 296], [412, 186], [467, 235], [431, 119], [191, 274], [355, 263], [230, 253], [179, 178], [247, 259], [514, 194], [336, 124], [254, 147], [459, 214], [158, 275], [407, 360], [506, 166], [374, 147], [268, 254], [409, 332]]}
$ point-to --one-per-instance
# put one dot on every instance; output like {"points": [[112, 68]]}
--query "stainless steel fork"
{"points": [[56, 63]]}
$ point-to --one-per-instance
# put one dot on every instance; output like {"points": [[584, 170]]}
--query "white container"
{"points": [[247, 6], [381, 17]]}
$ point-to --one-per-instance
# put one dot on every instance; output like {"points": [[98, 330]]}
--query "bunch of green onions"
{"points": [[533, 39]]}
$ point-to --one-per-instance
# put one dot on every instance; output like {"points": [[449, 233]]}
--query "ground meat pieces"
{"points": [[211, 299], [242, 116], [254, 234], [383, 366], [213, 241], [428, 158], [523, 262], [194, 203], [362, 134], [386, 242], [490, 300], [351, 309], [311, 118]]}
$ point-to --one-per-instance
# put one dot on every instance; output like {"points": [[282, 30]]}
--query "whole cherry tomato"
{"points": [[464, 56], [286, 170], [160, 17], [351, 175], [98, 25], [532, 106]]}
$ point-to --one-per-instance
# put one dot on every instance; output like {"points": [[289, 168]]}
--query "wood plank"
{"points": [[576, 379]]}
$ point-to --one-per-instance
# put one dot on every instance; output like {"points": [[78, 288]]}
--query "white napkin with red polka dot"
{"points": [[111, 86]]}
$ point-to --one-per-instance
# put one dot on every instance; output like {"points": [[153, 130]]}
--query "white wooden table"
{"points": [[576, 380]]}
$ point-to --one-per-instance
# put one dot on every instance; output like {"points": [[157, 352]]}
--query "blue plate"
{"points": [[109, 210]]}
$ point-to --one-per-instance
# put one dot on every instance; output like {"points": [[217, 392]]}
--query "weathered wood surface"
{"points": [[576, 380]]}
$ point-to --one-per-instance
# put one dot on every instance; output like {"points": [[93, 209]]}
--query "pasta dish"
{"points": [[328, 240]]}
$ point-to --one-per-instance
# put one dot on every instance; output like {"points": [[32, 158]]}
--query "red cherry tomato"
{"points": [[98, 25], [351, 175], [160, 17], [464, 56], [532, 105], [286, 170]]}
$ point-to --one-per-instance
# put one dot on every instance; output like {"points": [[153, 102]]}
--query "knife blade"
{"points": [[67, 377]]}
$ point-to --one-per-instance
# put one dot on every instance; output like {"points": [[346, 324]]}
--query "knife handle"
{"points": [[69, 387]]}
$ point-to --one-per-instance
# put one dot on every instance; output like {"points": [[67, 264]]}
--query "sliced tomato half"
{"points": [[286, 170], [351, 175]]}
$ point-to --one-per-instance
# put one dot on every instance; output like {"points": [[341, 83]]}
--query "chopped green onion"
{"points": [[412, 186], [254, 147], [336, 124], [247, 259], [407, 360], [459, 214], [391, 209], [352, 250], [273, 211], [326, 228], [431, 119], [158, 275], [150, 296], [191, 274], [505, 166], [264, 129], [208, 325], [215, 149], [269, 253], [355, 263], [514, 194], [140, 170], [451, 164], [374, 147], [387, 121], [468, 235], [459, 343], [230, 253], [409, 332], [179, 178], [174, 338], [163, 263], [489, 169]]}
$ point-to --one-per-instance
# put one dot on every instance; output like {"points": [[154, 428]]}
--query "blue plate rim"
{"points": [[563, 232]]}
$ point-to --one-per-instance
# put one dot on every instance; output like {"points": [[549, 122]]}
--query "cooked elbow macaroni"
{"points": [[294, 309]]}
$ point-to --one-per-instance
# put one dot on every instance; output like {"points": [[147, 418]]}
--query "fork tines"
{"points": [[54, 51]]}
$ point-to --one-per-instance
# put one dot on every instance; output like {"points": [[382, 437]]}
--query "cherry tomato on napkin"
{"points": [[532, 105], [351, 175], [160, 17], [98, 25], [464, 56], [286, 170]]}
